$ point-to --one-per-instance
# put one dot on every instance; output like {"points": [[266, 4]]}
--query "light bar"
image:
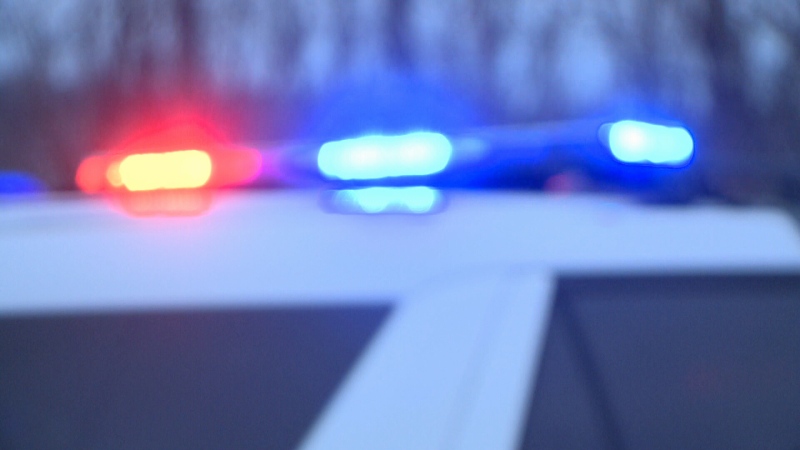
{"points": [[376, 156], [634, 142], [387, 200]]}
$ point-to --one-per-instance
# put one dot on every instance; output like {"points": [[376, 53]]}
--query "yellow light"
{"points": [[183, 169]]}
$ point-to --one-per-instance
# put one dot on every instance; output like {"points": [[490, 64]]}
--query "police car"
{"points": [[365, 308]]}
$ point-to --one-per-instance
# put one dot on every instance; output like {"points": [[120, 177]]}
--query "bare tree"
{"points": [[722, 63]]}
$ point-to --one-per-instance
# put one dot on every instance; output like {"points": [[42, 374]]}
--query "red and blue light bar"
{"points": [[178, 159]]}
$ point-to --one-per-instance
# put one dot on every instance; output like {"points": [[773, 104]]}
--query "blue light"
{"points": [[376, 156], [388, 200], [634, 142], [19, 183]]}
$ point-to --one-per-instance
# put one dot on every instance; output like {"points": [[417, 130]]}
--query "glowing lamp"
{"points": [[19, 183], [378, 156], [633, 142], [171, 170], [183, 169]]}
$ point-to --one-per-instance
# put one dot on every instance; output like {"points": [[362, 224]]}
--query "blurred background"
{"points": [[76, 74]]}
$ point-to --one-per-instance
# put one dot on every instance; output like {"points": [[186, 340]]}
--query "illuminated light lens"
{"points": [[19, 183], [179, 155], [113, 176], [634, 142], [236, 166], [376, 156], [388, 200], [183, 169], [91, 174]]}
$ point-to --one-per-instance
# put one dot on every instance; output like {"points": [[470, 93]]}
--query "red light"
{"points": [[169, 170], [183, 156], [91, 175], [171, 136], [236, 166]]}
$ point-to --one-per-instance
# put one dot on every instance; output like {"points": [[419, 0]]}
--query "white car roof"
{"points": [[76, 253]]}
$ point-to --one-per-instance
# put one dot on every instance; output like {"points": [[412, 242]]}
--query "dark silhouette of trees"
{"points": [[72, 72]]}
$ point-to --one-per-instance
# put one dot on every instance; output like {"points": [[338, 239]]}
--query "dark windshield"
{"points": [[254, 378]]}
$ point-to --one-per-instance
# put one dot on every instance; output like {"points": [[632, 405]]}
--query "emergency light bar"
{"points": [[188, 158]]}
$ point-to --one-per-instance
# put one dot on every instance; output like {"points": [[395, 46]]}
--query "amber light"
{"points": [[185, 169]]}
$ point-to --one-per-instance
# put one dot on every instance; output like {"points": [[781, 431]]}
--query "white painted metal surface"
{"points": [[81, 254], [450, 370]]}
